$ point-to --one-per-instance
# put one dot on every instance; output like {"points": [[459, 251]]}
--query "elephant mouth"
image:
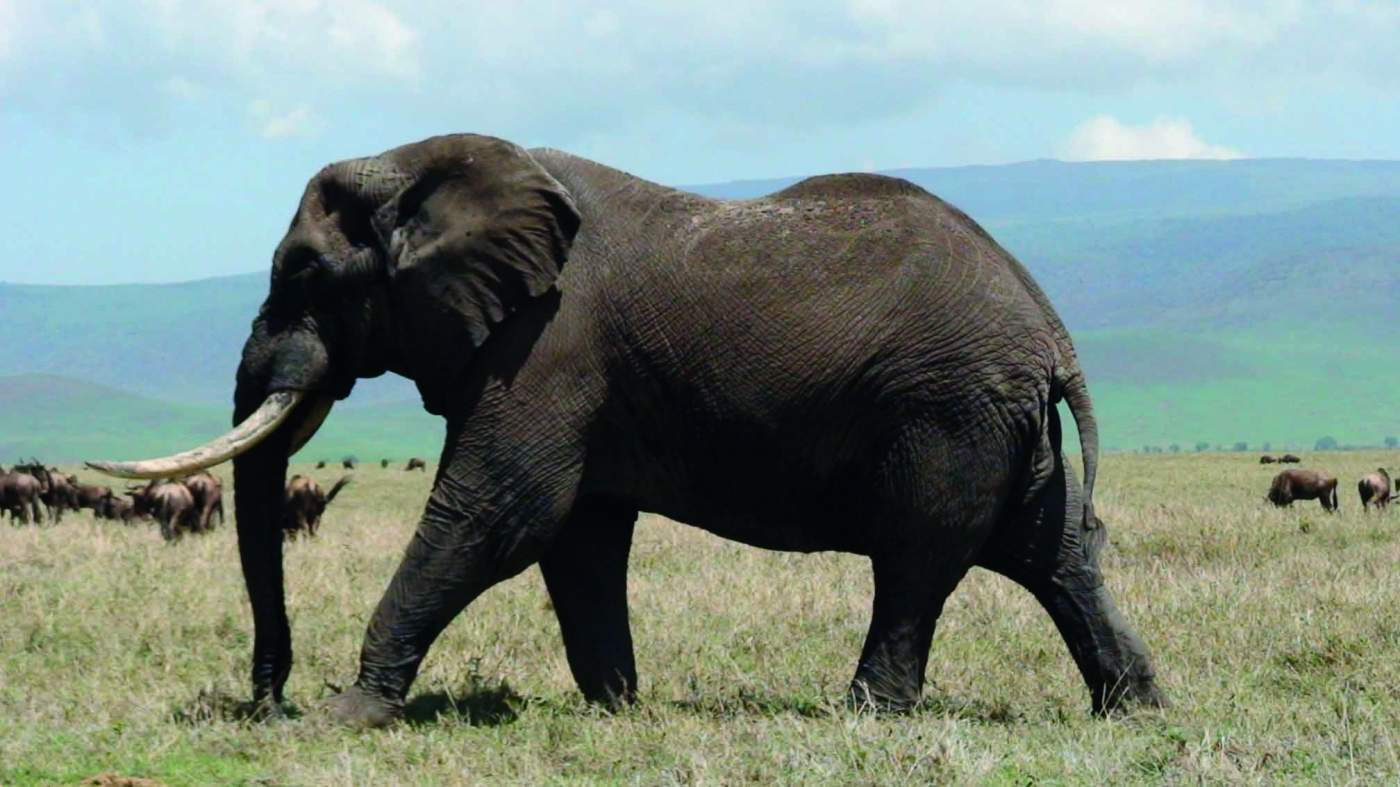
{"points": [[275, 410]]}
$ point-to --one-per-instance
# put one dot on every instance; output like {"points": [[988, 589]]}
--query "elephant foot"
{"points": [[867, 696], [1136, 693], [360, 710], [264, 710]]}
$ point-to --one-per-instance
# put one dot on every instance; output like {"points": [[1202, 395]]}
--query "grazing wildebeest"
{"points": [[90, 495], [1291, 485], [22, 494], [1374, 489], [170, 503], [416, 464], [1289, 459], [1267, 460], [208, 493], [321, 464], [348, 463], [115, 507], [304, 503]]}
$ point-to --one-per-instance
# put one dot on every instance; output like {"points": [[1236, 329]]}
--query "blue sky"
{"points": [[159, 140]]}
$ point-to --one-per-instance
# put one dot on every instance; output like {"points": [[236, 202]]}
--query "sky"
{"points": [[160, 140]]}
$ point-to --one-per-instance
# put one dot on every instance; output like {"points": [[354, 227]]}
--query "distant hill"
{"points": [[1215, 301], [59, 419]]}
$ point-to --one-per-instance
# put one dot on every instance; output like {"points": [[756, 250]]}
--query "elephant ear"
{"points": [[481, 231]]}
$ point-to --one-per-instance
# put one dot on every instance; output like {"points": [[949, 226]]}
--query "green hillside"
{"points": [[59, 419], [1212, 302]]}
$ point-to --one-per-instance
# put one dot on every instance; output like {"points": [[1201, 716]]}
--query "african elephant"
{"points": [[170, 504], [416, 464], [1291, 485], [208, 493], [304, 503], [847, 364], [1374, 489]]}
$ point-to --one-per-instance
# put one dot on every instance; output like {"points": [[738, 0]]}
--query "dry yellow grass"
{"points": [[1277, 636]]}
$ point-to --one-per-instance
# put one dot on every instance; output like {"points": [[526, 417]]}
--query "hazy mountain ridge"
{"points": [[1193, 289]]}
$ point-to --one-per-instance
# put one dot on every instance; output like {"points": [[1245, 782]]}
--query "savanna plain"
{"points": [[1276, 635]]}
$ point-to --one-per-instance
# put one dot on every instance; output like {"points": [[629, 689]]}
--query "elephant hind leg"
{"points": [[910, 590], [1049, 552], [585, 571]]}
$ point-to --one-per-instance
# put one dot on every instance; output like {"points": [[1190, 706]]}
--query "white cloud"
{"points": [[1105, 138], [271, 123]]}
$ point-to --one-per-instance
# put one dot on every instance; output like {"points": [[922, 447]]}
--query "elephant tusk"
{"points": [[316, 411], [254, 429]]}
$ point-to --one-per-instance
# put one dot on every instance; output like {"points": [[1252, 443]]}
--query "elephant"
{"points": [[1267, 460], [170, 504], [304, 504], [1289, 459], [847, 364], [416, 464], [1291, 485], [1374, 489], [208, 493]]}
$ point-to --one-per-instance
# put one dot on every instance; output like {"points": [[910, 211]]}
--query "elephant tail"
{"points": [[1075, 391]]}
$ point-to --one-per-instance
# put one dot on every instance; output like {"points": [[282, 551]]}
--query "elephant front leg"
{"points": [[459, 550], [585, 571]]}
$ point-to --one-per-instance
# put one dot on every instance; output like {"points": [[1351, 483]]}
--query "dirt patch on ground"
{"points": [[113, 780]]}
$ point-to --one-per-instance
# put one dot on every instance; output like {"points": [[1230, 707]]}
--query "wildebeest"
{"points": [[321, 464], [1291, 485], [1267, 460], [170, 503], [115, 507], [383, 463], [416, 464], [21, 494], [208, 493], [89, 495], [304, 503], [1289, 459], [1374, 489], [348, 463]]}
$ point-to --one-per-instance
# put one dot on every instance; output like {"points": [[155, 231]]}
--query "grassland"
{"points": [[1276, 633]]}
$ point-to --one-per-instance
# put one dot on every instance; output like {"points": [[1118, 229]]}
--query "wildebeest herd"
{"points": [[31, 492], [1375, 489]]}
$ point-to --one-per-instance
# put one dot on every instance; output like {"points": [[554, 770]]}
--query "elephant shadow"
{"points": [[476, 705]]}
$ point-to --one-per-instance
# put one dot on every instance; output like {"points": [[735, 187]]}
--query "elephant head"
{"points": [[401, 262]]}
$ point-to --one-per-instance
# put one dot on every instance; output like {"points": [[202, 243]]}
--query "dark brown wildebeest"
{"points": [[89, 495], [1267, 460], [416, 464], [304, 503], [1291, 485], [170, 502], [348, 463], [383, 463], [114, 507], [321, 464], [208, 493], [1289, 459], [1374, 489], [22, 494]]}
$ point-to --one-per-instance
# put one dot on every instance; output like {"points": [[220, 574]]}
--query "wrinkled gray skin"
{"points": [[849, 364]]}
